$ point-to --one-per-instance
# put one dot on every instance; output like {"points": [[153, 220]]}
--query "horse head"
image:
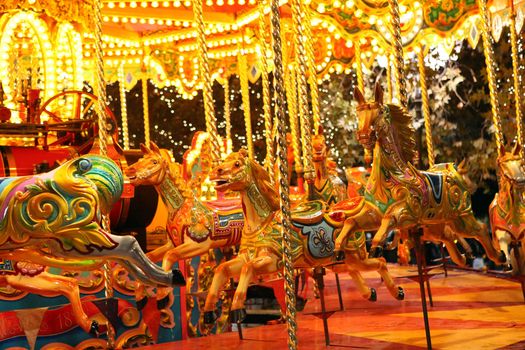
{"points": [[511, 167], [152, 168], [238, 172], [367, 114], [320, 151]]}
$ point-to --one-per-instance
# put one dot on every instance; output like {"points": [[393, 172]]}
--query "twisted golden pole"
{"points": [[491, 75], [205, 75], [516, 76], [312, 74], [268, 121], [284, 190], [389, 80], [227, 115], [399, 64], [123, 107], [100, 107], [145, 108], [245, 92], [302, 89], [291, 95], [425, 105], [359, 66], [290, 81]]}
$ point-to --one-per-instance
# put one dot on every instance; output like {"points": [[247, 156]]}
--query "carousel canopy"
{"points": [[159, 39]]}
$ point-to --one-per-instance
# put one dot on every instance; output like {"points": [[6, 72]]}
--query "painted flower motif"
{"points": [[322, 241], [447, 5]]}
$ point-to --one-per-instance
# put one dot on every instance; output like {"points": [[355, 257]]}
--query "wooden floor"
{"points": [[471, 311]]}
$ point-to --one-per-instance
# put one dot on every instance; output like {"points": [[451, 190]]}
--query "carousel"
{"points": [[342, 215]]}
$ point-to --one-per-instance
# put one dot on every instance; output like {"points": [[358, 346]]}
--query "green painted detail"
{"points": [[171, 194], [369, 197]]}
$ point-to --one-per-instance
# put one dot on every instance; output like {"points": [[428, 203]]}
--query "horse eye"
{"points": [[237, 164], [155, 161]]}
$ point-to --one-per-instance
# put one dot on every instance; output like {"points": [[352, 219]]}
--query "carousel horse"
{"points": [[326, 186], [260, 253], [400, 197], [53, 219], [507, 210], [194, 227]]}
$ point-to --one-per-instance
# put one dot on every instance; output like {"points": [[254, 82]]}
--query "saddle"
{"points": [[309, 212], [224, 204]]}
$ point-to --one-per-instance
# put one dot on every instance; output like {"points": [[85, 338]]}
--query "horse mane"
{"points": [[175, 173], [264, 184], [401, 120]]}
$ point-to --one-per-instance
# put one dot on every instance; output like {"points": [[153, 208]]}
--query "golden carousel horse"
{"points": [[260, 250], [194, 227], [326, 186], [400, 197], [507, 210], [53, 219]]}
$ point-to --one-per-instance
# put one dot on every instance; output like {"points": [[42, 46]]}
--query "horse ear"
{"points": [[463, 166], [243, 152], [516, 149], [144, 149], [358, 95], [320, 130], [378, 93], [154, 147]]}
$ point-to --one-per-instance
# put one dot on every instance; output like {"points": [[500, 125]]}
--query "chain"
{"points": [[425, 106], [491, 75], [399, 63], [269, 161], [284, 190], [207, 92], [516, 76]]}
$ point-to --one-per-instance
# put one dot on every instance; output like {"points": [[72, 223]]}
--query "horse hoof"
{"points": [[375, 252], [209, 317], [93, 330], [163, 303], [400, 294], [373, 295], [141, 304], [177, 278], [502, 258], [237, 316], [339, 255]]}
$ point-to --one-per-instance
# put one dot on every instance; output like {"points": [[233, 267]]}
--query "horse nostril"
{"points": [[219, 171]]}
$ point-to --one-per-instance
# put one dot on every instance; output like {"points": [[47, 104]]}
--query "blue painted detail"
{"points": [[320, 239], [224, 219], [6, 266], [436, 182]]}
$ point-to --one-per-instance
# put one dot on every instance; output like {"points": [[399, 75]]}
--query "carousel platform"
{"points": [[471, 311]]}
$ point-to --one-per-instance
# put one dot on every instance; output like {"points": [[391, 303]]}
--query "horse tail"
{"points": [[108, 179]]}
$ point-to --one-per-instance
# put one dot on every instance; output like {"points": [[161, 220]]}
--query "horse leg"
{"points": [[379, 265], [466, 247], [504, 240], [342, 238], [367, 293], [263, 264], [186, 250], [49, 285], [159, 253], [128, 250], [378, 240], [226, 270], [455, 255], [470, 227], [189, 249]]}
